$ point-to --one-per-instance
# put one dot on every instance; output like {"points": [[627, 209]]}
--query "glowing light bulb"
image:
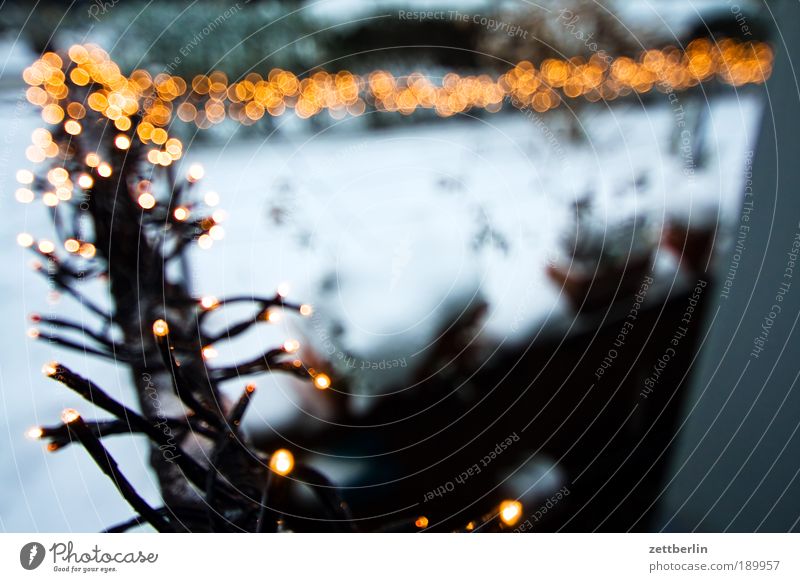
{"points": [[216, 232], [41, 137], [69, 415], [52, 113], [34, 433], [146, 200], [196, 172], [272, 316], [209, 352], [92, 160], [181, 213], [209, 302], [24, 195], [24, 176], [78, 54], [50, 199], [211, 198], [85, 181], [87, 250], [290, 346], [204, 241], [306, 310], [283, 289], [71, 245], [57, 176], [33, 333], [510, 512], [421, 522], [122, 141], [46, 246], [281, 462], [72, 127], [174, 147], [50, 369], [160, 328], [24, 240], [104, 170], [322, 382]]}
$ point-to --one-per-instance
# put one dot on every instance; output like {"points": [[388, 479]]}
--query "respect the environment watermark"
{"points": [[744, 228], [200, 36]]}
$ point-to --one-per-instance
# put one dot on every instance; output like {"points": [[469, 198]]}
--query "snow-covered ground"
{"points": [[393, 234], [378, 230]]}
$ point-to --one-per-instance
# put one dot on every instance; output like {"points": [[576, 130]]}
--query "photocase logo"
{"points": [[31, 555]]}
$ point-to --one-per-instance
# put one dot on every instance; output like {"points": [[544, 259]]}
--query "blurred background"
{"points": [[474, 196]]}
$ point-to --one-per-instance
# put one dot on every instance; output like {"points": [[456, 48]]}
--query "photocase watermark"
{"points": [[548, 505], [760, 340], [100, 8], [491, 24], [625, 329], [678, 335], [744, 227], [569, 20], [474, 470], [168, 449]]}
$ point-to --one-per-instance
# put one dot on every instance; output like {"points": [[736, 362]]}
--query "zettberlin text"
{"points": [[675, 549]]}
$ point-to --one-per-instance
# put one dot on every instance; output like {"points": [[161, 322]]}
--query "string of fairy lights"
{"points": [[109, 135], [210, 99], [207, 100]]}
